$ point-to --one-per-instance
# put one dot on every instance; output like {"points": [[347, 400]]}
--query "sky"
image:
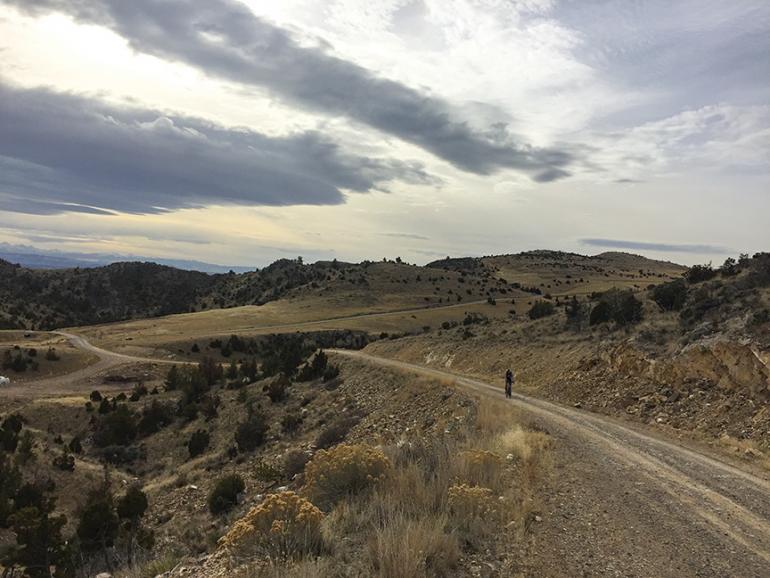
{"points": [[242, 132]]}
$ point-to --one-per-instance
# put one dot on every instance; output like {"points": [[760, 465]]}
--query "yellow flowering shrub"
{"points": [[283, 525], [344, 470], [481, 468], [468, 502]]}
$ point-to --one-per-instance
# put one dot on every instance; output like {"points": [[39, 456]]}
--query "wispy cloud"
{"points": [[662, 247], [406, 236]]}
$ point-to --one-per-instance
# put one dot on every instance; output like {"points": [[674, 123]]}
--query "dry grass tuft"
{"points": [[408, 547]]}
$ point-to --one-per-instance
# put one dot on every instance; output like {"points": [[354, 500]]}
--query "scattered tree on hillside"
{"points": [[251, 434], [98, 523], [699, 273], [670, 296], [541, 309], [198, 443], [225, 493], [131, 508], [619, 306]]}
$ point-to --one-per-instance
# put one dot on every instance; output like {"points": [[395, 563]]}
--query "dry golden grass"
{"points": [[165, 336], [70, 358], [561, 274], [408, 547], [442, 498]]}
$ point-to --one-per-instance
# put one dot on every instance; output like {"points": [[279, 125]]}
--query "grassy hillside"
{"points": [[694, 357], [563, 274], [353, 447], [45, 299], [39, 299]]}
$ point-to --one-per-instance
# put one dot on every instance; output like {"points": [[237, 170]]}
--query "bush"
{"points": [[541, 309], [277, 389], [760, 317], [155, 416], [51, 355], [284, 525], [702, 301], [618, 306], [198, 443], [405, 546], [729, 268], [335, 432], [291, 422], [481, 468], [331, 372], [468, 503], [225, 493], [294, 462], [266, 472], [344, 470], [251, 434], [75, 445], [699, 273], [122, 454], [65, 461], [9, 432], [118, 428], [315, 368], [670, 296]]}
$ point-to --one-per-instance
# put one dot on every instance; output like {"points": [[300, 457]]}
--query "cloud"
{"points": [[62, 152], [225, 39], [406, 236], [550, 175], [662, 247]]}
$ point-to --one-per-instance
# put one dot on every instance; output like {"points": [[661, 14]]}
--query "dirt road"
{"points": [[81, 380], [623, 502]]}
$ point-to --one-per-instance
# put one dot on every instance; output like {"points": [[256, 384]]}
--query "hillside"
{"points": [[560, 274], [45, 299], [693, 358], [347, 445], [259, 456]]}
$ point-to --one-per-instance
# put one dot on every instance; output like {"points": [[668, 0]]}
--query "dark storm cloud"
{"points": [[225, 39], [61, 152], [662, 247]]}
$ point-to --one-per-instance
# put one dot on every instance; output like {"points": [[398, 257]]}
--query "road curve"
{"points": [[624, 502], [77, 381]]}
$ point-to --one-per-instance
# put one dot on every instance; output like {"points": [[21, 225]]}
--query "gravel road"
{"points": [[626, 502]]}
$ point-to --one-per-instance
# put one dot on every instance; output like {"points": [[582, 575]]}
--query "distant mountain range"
{"points": [[35, 258]]}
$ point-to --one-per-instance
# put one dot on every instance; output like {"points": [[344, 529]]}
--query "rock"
{"points": [[104, 575], [578, 405]]}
